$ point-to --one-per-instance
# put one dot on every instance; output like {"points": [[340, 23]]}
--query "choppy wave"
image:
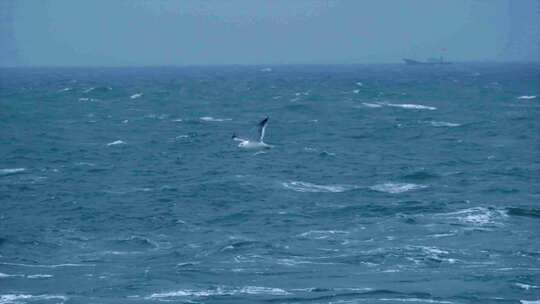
{"points": [[528, 212], [478, 216], [219, 291], [309, 187], [408, 106], [89, 90], [443, 124], [6, 275], [11, 171], [323, 234], [88, 99], [156, 116], [16, 298], [526, 286], [116, 142], [411, 106], [372, 105], [39, 276], [527, 97], [210, 118], [48, 266], [415, 300], [396, 187]]}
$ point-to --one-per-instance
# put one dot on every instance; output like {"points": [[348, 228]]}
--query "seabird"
{"points": [[247, 144]]}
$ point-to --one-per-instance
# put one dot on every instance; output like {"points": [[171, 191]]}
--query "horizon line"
{"points": [[258, 64]]}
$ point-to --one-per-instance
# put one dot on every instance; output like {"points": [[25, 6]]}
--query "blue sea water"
{"points": [[386, 184]]}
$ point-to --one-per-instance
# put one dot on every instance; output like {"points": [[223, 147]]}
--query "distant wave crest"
{"points": [[527, 97], [116, 142], [309, 187], [210, 118], [219, 291], [411, 106], [395, 188], [443, 124], [11, 171], [136, 95]]}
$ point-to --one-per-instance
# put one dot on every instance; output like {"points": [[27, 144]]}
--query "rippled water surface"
{"points": [[386, 184]]}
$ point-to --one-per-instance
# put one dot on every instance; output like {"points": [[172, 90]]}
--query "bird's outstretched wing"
{"points": [[262, 128]]}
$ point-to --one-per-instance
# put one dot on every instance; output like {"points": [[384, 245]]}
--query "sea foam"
{"points": [[11, 171], [219, 291], [526, 97], [443, 124], [395, 188], [116, 142], [210, 118], [309, 187], [410, 106]]}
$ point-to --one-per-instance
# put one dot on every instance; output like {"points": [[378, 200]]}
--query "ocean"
{"points": [[385, 184]]}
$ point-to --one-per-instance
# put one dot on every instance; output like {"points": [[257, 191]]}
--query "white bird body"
{"points": [[255, 145], [246, 144]]}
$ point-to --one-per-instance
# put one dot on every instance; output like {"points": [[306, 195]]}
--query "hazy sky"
{"points": [[186, 32]]}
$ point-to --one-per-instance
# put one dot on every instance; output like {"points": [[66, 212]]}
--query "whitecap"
{"points": [[210, 118], [478, 216], [15, 298], [395, 188], [136, 95], [359, 84], [263, 290], [116, 142], [177, 120], [322, 234], [410, 106], [128, 190], [11, 171], [266, 70], [87, 99], [434, 253], [89, 90], [443, 124], [219, 291], [356, 91], [530, 302], [156, 116], [526, 97], [64, 90], [417, 300], [48, 266], [85, 164], [298, 261], [39, 276], [526, 286], [371, 105], [309, 187]]}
